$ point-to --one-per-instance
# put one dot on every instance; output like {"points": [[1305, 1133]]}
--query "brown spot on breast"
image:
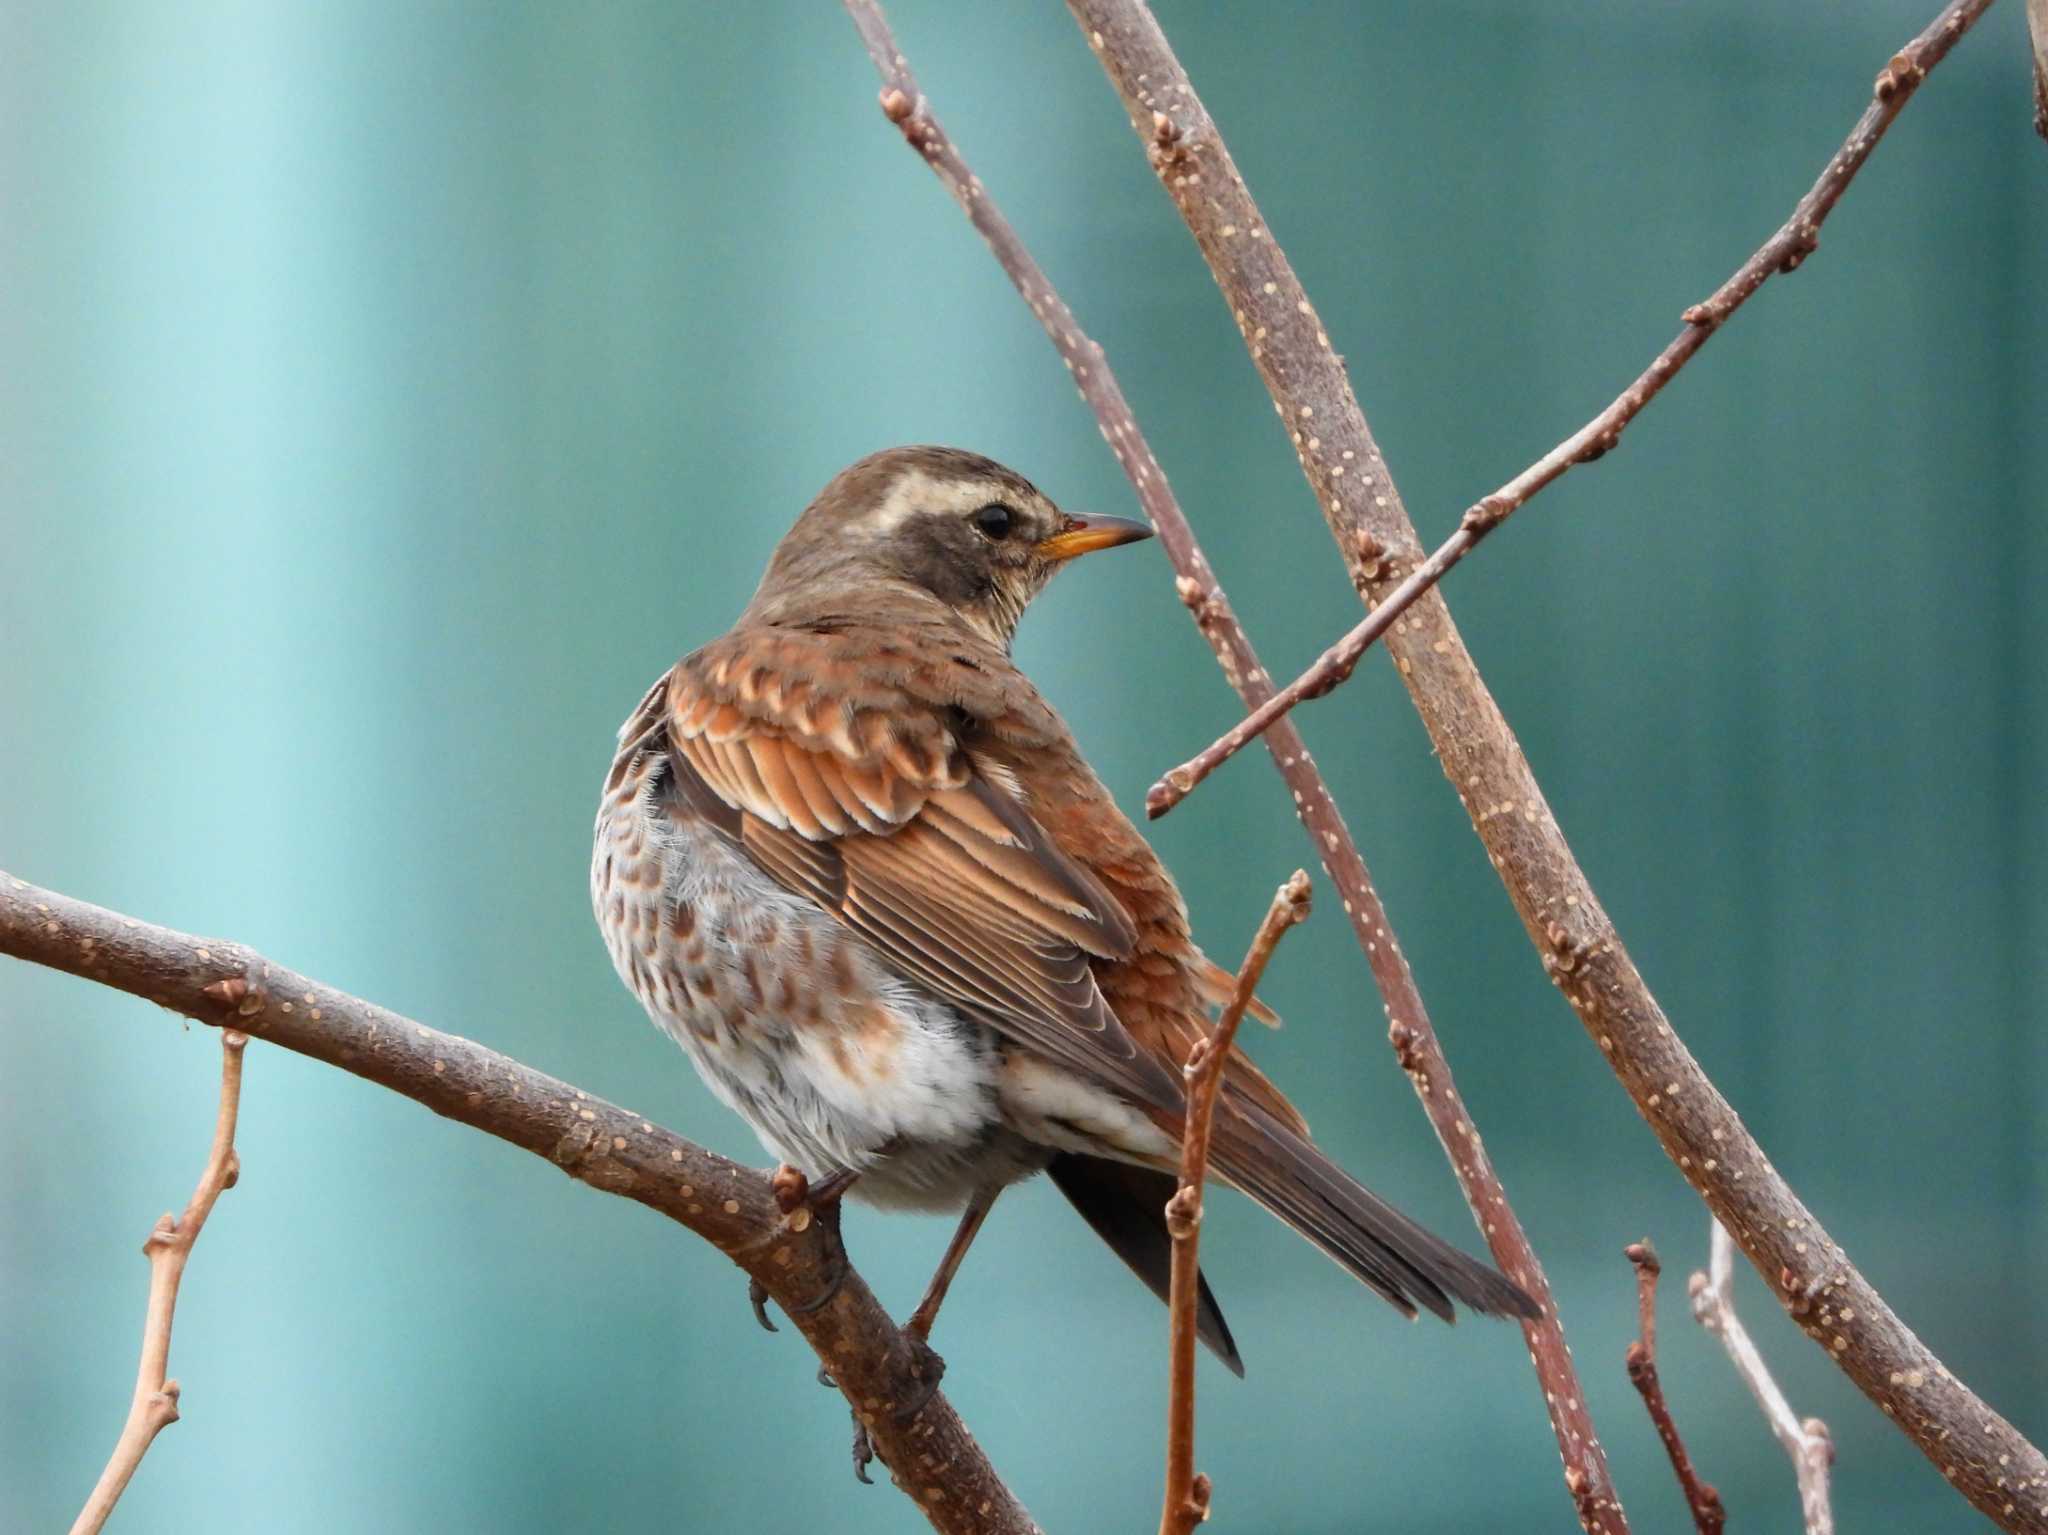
{"points": [[841, 968], [684, 920], [752, 971]]}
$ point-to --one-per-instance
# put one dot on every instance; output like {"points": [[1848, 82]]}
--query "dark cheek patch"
{"points": [[935, 559]]}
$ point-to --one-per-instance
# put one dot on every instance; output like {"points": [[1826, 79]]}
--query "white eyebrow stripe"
{"points": [[914, 492]]}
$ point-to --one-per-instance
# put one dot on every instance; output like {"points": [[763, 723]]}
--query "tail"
{"points": [[1368, 1237], [1127, 1207]]}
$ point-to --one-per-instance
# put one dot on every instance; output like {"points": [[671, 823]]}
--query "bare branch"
{"points": [[798, 1261], [1708, 1516], [1795, 240], [1809, 1444], [1409, 1029], [1989, 1461], [168, 1248], [1187, 1495], [2037, 31]]}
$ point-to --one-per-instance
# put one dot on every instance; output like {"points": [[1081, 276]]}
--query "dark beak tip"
{"points": [[1125, 530], [1084, 535]]}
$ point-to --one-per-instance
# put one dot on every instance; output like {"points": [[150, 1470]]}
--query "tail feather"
{"points": [[1368, 1237], [1127, 1207]]}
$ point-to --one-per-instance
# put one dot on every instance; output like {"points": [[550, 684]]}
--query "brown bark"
{"points": [[154, 1406], [1186, 1502], [1409, 1030], [931, 1454], [1987, 1459]]}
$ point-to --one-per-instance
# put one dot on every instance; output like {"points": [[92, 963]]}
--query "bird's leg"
{"points": [[926, 1367], [920, 1324]]}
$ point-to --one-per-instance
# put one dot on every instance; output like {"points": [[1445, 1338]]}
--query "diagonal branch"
{"points": [[1796, 239], [1989, 1461], [2037, 32], [1409, 1030], [1810, 1445], [1187, 1495], [1708, 1516], [168, 1248], [795, 1259]]}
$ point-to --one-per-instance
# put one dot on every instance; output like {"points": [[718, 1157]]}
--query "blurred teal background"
{"points": [[391, 391]]}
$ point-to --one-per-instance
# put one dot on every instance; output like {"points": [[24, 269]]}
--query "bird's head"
{"points": [[936, 522]]}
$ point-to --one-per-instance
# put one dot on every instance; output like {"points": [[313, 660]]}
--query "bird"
{"points": [[853, 862]]}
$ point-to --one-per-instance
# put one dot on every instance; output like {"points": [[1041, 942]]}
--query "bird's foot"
{"points": [[927, 1369], [801, 1202], [757, 1297]]}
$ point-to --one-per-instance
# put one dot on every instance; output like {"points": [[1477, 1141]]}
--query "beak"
{"points": [[1084, 535]]}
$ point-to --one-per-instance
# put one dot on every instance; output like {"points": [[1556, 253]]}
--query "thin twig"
{"points": [[1708, 1516], [1187, 1495], [2037, 32], [1809, 1443], [1796, 239], [799, 1261], [1409, 1029], [1987, 1459], [168, 1248]]}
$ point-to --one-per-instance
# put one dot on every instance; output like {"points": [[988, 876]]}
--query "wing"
{"points": [[864, 797]]}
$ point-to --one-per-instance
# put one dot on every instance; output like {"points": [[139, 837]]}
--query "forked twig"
{"points": [[1982, 1454], [1707, 1513], [1808, 1443], [1187, 1494], [932, 1456], [1796, 239], [2037, 30], [1409, 1029], [168, 1248]]}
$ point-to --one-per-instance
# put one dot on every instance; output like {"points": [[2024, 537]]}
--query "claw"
{"points": [[928, 1369], [757, 1297], [863, 1454]]}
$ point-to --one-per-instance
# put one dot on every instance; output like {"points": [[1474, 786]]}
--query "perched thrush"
{"points": [[854, 863]]}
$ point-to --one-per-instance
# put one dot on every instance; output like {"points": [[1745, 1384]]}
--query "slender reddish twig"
{"points": [[168, 1248], [1409, 1030], [2037, 29], [1808, 1443], [1989, 1461], [1187, 1495], [1707, 1513], [798, 1261], [1795, 240]]}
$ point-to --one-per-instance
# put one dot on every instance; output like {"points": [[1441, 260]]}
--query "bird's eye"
{"points": [[995, 521]]}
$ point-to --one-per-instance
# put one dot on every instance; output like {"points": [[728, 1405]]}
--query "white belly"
{"points": [[792, 1021]]}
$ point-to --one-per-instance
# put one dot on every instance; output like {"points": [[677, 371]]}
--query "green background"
{"points": [[389, 392]]}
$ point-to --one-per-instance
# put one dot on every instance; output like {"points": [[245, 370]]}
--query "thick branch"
{"points": [[1809, 1443], [934, 1458], [168, 1248], [1989, 1461], [1409, 1029], [1796, 239], [1187, 1495], [1708, 1516]]}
